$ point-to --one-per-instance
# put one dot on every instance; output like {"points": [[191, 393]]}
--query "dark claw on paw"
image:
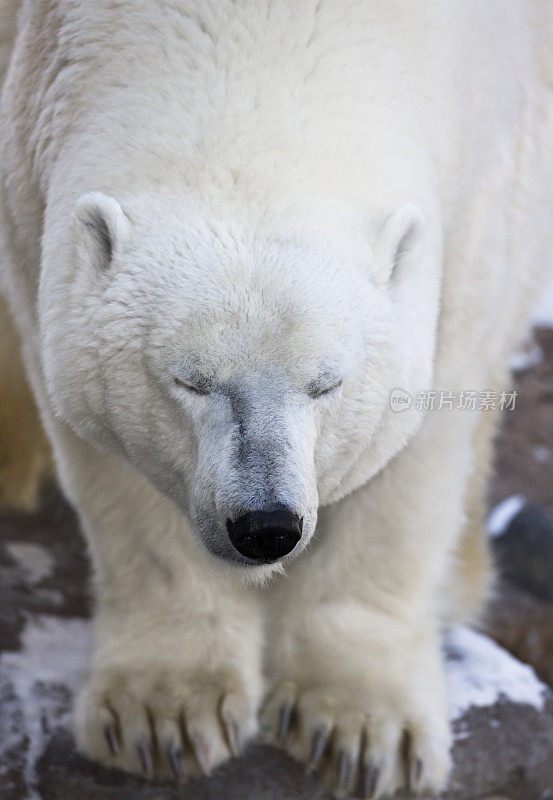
{"points": [[317, 749], [370, 783], [145, 757], [416, 773], [345, 767], [284, 723], [233, 735], [111, 739], [174, 758]]}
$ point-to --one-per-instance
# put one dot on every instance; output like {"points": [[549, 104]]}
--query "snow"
{"points": [[543, 315], [479, 673], [530, 352], [528, 356], [500, 517], [541, 453], [35, 561], [55, 653]]}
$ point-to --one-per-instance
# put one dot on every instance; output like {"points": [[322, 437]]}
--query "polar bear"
{"points": [[230, 232]]}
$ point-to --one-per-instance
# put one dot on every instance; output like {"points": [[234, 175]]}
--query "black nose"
{"points": [[265, 536]]}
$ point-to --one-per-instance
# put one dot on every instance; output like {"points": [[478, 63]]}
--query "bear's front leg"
{"points": [[176, 676], [363, 699], [172, 693], [355, 656]]}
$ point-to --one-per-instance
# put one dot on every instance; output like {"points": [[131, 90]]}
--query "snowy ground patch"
{"points": [[36, 562], [479, 673], [530, 353], [37, 684], [543, 315], [501, 516]]}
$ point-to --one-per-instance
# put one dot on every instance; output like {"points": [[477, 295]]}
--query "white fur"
{"points": [[267, 196]]}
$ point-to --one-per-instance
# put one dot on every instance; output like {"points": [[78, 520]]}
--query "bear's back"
{"points": [[349, 100]]}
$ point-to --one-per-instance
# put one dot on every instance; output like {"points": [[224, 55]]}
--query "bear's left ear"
{"points": [[397, 241], [99, 226]]}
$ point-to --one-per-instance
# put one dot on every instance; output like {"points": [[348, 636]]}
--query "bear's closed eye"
{"points": [[191, 387], [315, 391]]}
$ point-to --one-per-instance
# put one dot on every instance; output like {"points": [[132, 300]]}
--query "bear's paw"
{"points": [[360, 748], [162, 723]]}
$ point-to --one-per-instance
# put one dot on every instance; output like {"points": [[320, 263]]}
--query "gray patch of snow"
{"points": [[530, 353], [543, 315], [35, 561], [541, 454], [36, 684], [482, 673], [501, 516], [528, 356]]}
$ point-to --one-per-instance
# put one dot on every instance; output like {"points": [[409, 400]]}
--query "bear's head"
{"points": [[246, 375]]}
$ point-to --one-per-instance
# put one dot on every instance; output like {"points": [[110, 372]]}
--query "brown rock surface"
{"points": [[524, 452], [519, 621], [524, 626]]}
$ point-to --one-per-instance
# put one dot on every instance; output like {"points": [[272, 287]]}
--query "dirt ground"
{"points": [[524, 452]]}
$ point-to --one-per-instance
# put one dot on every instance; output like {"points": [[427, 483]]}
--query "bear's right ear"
{"points": [[99, 226]]}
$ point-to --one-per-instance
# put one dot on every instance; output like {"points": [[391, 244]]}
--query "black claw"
{"points": [[112, 740], [145, 757], [344, 772], [370, 783], [416, 773], [174, 758], [233, 735], [284, 722], [318, 744], [406, 750]]}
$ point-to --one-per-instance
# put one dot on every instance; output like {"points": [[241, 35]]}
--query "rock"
{"points": [[520, 614], [524, 626], [524, 552], [524, 450], [502, 718]]}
